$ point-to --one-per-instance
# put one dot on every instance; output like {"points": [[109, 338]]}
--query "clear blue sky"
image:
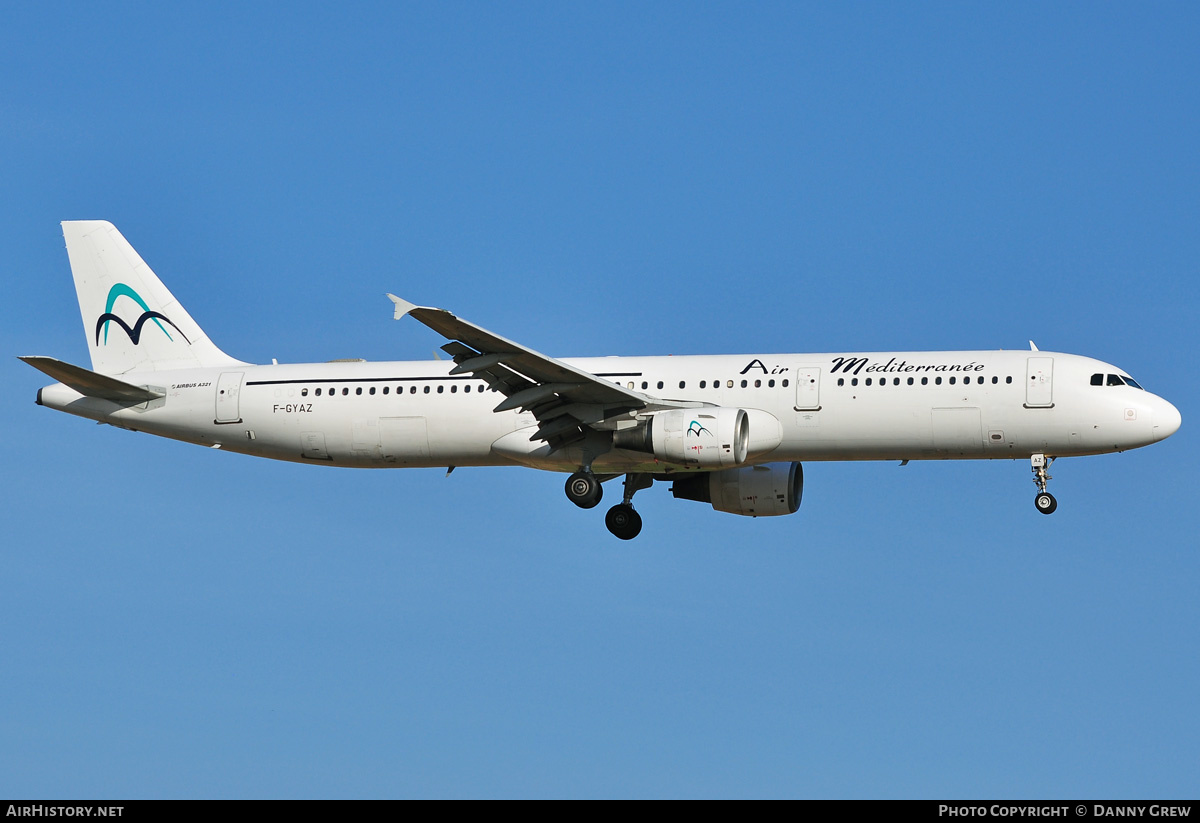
{"points": [[620, 178]]}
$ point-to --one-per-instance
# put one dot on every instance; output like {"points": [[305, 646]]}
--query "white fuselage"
{"points": [[863, 406]]}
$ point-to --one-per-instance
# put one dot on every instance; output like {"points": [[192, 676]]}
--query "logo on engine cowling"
{"points": [[695, 428]]}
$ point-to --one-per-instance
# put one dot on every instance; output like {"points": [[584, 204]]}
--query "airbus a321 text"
{"points": [[728, 430]]}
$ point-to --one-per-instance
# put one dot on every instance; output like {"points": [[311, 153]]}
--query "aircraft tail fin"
{"points": [[132, 321]]}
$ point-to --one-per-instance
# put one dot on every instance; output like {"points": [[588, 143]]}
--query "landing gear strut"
{"points": [[621, 519], [1044, 501], [584, 490]]}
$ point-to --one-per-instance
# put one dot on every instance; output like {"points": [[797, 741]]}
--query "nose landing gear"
{"points": [[1044, 501], [621, 519]]}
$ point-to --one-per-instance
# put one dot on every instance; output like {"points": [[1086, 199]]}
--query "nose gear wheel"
{"points": [[1044, 501]]}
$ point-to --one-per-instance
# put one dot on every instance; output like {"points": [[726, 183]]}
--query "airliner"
{"points": [[727, 430]]}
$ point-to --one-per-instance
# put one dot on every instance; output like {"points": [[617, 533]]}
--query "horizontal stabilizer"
{"points": [[90, 383]]}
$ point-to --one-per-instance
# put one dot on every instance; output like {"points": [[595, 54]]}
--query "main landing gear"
{"points": [[584, 490], [621, 519], [1044, 501]]}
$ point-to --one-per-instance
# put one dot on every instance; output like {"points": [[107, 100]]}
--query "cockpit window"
{"points": [[1114, 380]]}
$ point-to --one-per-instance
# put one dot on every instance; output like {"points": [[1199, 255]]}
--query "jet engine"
{"points": [[710, 436], [755, 491]]}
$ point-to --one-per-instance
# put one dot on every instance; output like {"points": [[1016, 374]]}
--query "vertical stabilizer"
{"points": [[132, 322]]}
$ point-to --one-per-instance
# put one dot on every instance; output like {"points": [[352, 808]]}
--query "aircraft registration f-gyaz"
{"points": [[724, 429]]}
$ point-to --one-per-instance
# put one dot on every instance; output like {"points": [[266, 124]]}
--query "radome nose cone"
{"points": [[1166, 421]]}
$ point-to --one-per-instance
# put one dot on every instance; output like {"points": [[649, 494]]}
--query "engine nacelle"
{"points": [[709, 436], [755, 491]]}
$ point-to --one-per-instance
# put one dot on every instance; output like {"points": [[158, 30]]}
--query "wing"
{"points": [[564, 400]]}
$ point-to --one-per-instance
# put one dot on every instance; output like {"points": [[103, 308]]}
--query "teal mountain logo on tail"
{"points": [[135, 331]]}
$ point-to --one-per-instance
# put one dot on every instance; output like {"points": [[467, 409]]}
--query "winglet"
{"points": [[403, 307], [1033, 346]]}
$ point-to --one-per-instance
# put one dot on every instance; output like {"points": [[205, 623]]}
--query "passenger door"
{"points": [[808, 388], [229, 386], [1039, 383]]}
